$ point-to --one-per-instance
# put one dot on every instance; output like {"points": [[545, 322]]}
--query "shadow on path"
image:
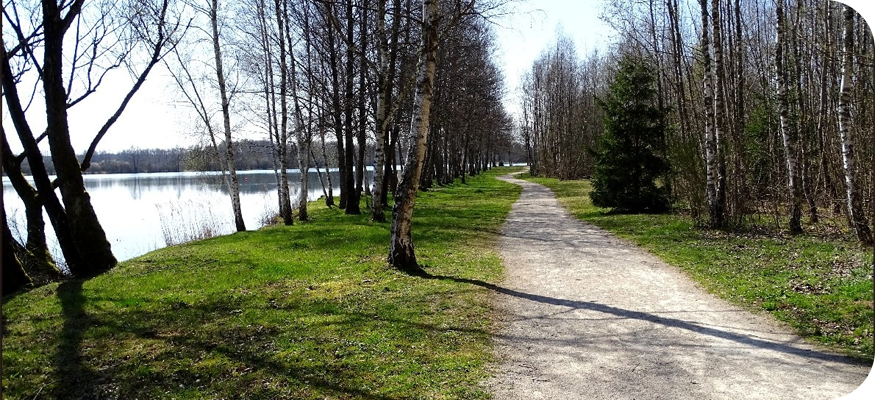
{"points": [[643, 316]]}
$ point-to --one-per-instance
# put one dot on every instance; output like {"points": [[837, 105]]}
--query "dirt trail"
{"points": [[585, 315]]}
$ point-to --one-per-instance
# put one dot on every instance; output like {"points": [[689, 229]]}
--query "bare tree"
{"points": [[855, 208], [787, 131], [107, 35], [401, 251], [193, 89], [715, 207]]}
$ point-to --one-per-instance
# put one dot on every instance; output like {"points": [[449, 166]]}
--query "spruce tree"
{"points": [[630, 169]]}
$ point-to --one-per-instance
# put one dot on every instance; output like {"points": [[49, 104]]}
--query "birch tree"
{"points": [[855, 207], [788, 132], [715, 207], [401, 250], [196, 93]]}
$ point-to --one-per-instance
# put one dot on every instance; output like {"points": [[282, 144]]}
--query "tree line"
{"points": [[323, 81], [769, 108], [249, 155]]}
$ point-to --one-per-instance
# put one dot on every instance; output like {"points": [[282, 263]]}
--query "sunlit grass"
{"points": [[307, 312], [821, 286]]}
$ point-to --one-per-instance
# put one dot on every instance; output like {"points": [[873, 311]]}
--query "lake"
{"points": [[143, 212]]}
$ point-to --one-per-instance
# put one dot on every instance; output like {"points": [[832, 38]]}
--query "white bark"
{"points": [[401, 251], [720, 125], [855, 209], [715, 213], [788, 136], [231, 178], [283, 137], [382, 125]]}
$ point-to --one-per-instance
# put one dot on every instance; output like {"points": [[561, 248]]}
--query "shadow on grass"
{"points": [[203, 350], [643, 316], [74, 378]]}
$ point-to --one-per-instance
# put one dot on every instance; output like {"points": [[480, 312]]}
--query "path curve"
{"points": [[585, 315]]}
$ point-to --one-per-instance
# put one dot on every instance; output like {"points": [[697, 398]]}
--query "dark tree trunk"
{"points": [[336, 109], [39, 259], [352, 197], [86, 232], [56, 212], [13, 275]]}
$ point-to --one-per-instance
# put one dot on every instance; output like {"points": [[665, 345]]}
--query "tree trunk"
{"points": [[720, 125], [86, 232], [401, 251], [788, 136], [336, 109], [329, 197], [362, 101], [39, 259], [283, 139], [855, 207], [231, 180], [348, 180], [56, 212], [381, 122], [714, 206], [13, 275]]}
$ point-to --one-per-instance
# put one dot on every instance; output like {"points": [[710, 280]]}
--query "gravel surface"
{"points": [[585, 315]]}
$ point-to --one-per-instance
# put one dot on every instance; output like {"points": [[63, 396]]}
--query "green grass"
{"points": [[821, 286], [306, 312]]}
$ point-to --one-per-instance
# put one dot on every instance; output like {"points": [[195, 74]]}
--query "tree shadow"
{"points": [[643, 316], [74, 377], [181, 333]]}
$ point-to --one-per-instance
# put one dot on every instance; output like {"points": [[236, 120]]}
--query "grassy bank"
{"points": [[820, 286], [306, 312]]}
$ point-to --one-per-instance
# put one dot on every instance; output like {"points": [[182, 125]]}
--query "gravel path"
{"points": [[584, 315]]}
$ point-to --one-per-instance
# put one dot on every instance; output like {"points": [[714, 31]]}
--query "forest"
{"points": [[323, 80], [769, 109]]}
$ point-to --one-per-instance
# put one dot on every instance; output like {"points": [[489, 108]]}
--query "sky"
{"points": [[158, 118], [534, 25]]}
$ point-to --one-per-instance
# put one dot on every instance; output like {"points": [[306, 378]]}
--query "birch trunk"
{"points": [[855, 207], [270, 105], [714, 210], [789, 137], [231, 179], [401, 251], [720, 125], [283, 137], [362, 99], [303, 133], [329, 199], [381, 123]]}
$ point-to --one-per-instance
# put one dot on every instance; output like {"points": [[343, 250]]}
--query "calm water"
{"points": [[139, 211]]}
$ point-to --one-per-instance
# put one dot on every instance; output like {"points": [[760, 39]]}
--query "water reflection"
{"points": [[131, 206]]}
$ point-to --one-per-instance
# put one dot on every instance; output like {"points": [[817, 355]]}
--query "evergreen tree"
{"points": [[629, 162]]}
